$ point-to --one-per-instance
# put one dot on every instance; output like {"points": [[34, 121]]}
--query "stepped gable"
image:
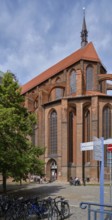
{"points": [[86, 53]]}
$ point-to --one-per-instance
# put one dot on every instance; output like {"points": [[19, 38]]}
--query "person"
{"points": [[77, 181]]}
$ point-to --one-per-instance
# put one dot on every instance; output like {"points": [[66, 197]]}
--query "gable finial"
{"points": [[84, 32]]}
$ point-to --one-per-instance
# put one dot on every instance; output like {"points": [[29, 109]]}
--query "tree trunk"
{"points": [[4, 181]]}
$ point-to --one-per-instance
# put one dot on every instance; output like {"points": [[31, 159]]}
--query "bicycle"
{"points": [[36, 209], [59, 208], [15, 210]]}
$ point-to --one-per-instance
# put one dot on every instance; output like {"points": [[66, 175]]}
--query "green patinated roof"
{"points": [[1, 74]]}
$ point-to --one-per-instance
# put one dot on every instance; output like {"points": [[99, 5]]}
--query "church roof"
{"points": [[86, 53]]}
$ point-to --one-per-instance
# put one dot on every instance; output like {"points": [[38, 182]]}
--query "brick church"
{"points": [[72, 106]]}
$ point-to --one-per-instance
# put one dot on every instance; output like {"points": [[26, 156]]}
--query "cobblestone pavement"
{"points": [[75, 195]]}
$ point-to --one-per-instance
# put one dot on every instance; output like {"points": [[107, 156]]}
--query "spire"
{"points": [[84, 32]]}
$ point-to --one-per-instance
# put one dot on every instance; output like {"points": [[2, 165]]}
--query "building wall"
{"points": [[93, 100]]}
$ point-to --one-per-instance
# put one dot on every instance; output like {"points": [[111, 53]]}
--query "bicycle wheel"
{"points": [[65, 209], [52, 214]]}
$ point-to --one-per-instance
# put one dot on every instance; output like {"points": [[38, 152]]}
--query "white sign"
{"points": [[89, 145], [98, 150], [108, 141], [86, 146]]}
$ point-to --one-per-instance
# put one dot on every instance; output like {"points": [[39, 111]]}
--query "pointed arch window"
{"points": [[53, 133], [106, 128], [73, 82], [87, 132], [106, 122], [59, 91], [70, 154], [89, 78]]}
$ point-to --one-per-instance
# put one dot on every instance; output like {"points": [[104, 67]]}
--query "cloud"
{"points": [[37, 34]]}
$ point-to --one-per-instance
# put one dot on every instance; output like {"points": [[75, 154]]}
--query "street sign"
{"points": [[86, 146], [97, 146], [89, 145], [108, 141], [109, 147]]}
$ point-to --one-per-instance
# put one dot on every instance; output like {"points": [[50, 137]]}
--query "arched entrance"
{"points": [[52, 169]]}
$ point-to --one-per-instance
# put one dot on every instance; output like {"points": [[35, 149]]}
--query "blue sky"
{"points": [[36, 34]]}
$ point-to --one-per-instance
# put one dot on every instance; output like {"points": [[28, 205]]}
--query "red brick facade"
{"points": [[79, 114]]}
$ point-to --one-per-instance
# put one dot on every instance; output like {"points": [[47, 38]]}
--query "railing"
{"points": [[97, 211]]}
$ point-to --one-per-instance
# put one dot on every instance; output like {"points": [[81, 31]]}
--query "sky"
{"points": [[36, 34]]}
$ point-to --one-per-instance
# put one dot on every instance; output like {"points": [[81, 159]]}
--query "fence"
{"points": [[97, 211]]}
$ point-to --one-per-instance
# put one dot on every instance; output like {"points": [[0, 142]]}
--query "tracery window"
{"points": [[59, 93], [89, 78], [53, 133], [106, 122], [73, 82], [70, 155], [106, 128], [87, 132]]}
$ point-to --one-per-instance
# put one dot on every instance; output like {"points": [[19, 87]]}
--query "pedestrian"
{"points": [[77, 181]]}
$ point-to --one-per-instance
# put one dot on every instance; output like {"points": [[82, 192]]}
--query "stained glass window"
{"points": [[106, 122], [89, 78], [59, 93], [87, 132], [53, 133], [71, 115], [73, 82]]}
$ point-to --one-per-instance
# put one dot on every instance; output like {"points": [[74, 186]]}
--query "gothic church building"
{"points": [[72, 106]]}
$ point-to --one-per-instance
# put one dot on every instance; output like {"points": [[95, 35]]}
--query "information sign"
{"points": [[97, 147], [86, 146]]}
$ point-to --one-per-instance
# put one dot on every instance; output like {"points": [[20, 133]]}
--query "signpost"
{"points": [[86, 146], [109, 162], [98, 146], [89, 145]]}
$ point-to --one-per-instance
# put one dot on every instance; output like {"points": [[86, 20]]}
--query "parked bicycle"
{"points": [[13, 208], [38, 209], [59, 208]]}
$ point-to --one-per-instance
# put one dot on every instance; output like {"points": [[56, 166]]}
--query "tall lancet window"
{"points": [[59, 91], [106, 127], [89, 78], [53, 133], [106, 122], [70, 153], [73, 82], [86, 130]]}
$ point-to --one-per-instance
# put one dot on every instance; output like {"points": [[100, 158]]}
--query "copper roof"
{"points": [[86, 53]]}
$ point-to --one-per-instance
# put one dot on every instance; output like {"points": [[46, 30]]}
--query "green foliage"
{"points": [[18, 156]]}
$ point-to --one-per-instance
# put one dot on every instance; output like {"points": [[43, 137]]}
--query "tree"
{"points": [[17, 154]]}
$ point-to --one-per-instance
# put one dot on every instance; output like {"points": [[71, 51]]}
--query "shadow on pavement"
{"points": [[33, 190]]}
